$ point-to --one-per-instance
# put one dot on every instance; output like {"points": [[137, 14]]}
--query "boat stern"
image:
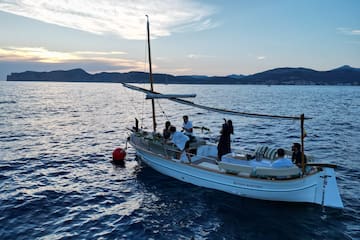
{"points": [[328, 194]]}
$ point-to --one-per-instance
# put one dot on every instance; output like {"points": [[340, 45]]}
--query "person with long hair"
{"points": [[166, 130], [224, 145]]}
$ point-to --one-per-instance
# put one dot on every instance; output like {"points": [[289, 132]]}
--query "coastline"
{"points": [[345, 75]]}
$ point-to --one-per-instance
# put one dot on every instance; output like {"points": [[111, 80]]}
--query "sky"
{"points": [[188, 37]]}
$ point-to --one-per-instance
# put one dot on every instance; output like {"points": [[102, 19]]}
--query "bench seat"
{"points": [[278, 172], [236, 168]]}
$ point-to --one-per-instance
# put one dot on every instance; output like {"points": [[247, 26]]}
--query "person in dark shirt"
{"points": [[296, 156], [224, 145], [166, 131]]}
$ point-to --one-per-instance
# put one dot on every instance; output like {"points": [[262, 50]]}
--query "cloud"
{"points": [[197, 56], [35, 54], [43, 55], [355, 32], [261, 58], [125, 18], [348, 31]]}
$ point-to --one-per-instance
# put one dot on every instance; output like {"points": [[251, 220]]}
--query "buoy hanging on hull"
{"points": [[119, 155]]}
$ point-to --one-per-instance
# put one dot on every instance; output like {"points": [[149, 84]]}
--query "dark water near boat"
{"points": [[57, 180]]}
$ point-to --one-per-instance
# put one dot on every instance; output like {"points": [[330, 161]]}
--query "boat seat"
{"points": [[270, 153], [281, 173], [207, 151], [260, 149], [236, 168], [209, 166]]}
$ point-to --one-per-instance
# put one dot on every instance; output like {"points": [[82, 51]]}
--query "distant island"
{"points": [[344, 75]]}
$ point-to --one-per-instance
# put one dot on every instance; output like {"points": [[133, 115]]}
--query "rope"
{"points": [[130, 98], [162, 111]]}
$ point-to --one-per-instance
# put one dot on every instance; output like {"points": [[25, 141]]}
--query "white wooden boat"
{"points": [[237, 175], [255, 178]]}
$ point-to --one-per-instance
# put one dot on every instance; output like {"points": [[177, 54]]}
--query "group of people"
{"points": [[296, 158], [181, 139], [224, 147], [187, 128]]}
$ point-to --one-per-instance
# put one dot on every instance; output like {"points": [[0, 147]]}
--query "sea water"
{"points": [[57, 180]]}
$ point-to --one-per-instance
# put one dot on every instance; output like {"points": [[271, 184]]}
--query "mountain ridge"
{"points": [[344, 75]]}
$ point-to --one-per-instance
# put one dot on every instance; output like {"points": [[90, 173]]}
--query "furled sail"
{"points": [[218, 110], [157, 96]]}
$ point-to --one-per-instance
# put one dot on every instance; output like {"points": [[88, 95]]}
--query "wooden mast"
{"points": [[150, 75], [302, 119]]}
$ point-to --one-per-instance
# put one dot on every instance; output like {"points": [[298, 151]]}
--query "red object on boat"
{"points": [[119, 154]]}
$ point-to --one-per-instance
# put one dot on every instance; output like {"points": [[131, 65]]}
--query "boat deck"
{"points": [[205, 157], [209, 163]]}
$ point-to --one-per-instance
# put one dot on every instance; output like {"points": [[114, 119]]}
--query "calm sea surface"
{"points": [[57, 180]]}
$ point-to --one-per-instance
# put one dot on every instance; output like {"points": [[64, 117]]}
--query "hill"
{"points": [[344, 75]]}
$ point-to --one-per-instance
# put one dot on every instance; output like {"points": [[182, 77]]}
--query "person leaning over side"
{"points": [[282, 161]]}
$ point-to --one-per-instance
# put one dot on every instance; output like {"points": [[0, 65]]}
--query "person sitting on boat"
{"points": [[224, 145], [181, 141], [166, 131], [296, 156], [187, 127], [282, 161]]}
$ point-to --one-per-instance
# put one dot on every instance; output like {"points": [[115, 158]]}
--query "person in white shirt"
{"points": [[282, 161], [181, 141], [187, 126]]}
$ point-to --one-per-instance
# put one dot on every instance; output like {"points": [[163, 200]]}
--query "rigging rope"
{"points": [[162, 110], [130, 98]]}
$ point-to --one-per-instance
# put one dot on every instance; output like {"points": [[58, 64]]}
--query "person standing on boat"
{"points": [[282, 161], [187, 126], [224, 145], [296, 156], [166, 130], [181, 141]]}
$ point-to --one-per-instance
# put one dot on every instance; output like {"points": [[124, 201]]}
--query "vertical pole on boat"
{"points": [[302, 118], [151, 76]]}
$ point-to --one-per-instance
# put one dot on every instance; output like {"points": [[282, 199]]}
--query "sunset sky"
{"points": [[199, 37]]}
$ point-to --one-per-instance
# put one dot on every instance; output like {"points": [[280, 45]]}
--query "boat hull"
{"points": [[319, 187], [315, 188]]}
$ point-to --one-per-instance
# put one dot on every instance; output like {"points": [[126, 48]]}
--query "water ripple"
{"points": [[57, 180]]}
